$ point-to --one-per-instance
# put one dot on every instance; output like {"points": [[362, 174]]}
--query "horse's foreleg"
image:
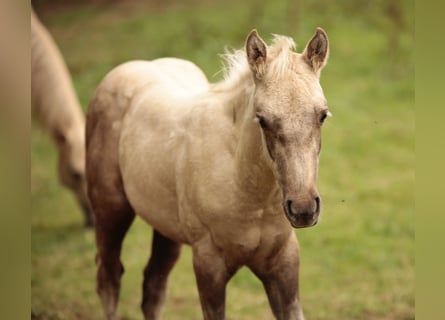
{"points": [[212, 276], [164, 255], [280, 280]]}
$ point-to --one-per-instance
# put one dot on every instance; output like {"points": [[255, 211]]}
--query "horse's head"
{"points": [[71, 166], [290, 108]]}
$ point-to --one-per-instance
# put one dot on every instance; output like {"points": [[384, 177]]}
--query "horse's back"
{"points": [[153, 80], [136, 80], [134, 112], [180, 76]]}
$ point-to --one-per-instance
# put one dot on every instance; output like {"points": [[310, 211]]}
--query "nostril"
{"points": [[289, 206], [76, 176], [317, 204]]}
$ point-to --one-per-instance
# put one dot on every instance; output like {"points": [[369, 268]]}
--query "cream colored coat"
{"points": [[57, 107], [227, 168]]}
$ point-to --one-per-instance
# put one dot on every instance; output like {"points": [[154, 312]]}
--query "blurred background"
{"points": [[358, 262]]}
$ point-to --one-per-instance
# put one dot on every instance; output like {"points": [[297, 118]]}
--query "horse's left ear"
{"points": [[316, 52]]}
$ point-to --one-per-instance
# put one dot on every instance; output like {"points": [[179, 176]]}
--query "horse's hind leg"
{"points": [[164, 254], [113, 218], [112, 211], [112, 224]]}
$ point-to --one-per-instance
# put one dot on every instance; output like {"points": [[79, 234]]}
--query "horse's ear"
{"points": [[316, 52], [256, 51]]}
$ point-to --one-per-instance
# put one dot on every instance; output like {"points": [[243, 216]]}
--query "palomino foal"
{"points": [[227, 168]]}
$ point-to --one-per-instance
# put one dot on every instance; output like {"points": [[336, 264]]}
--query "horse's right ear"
{"points": [[256, 51]]}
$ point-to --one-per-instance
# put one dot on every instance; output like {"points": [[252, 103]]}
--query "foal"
{"points": [[227, 168]]}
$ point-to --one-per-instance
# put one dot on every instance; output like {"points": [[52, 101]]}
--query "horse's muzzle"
{"points": [[304, 214]]}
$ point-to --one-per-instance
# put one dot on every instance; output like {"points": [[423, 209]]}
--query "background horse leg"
{"points": [[280, 280], [164, 254], [212, 275]]}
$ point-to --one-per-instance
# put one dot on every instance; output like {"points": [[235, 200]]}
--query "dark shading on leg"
{"points": [[282, 292], [112, 212], [280, 280], [110, 232], [164, 254]]}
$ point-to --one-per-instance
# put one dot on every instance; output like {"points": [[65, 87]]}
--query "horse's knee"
{"points": [[109, 271]]}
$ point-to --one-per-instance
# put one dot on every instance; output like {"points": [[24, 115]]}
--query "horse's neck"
{"points": [[54, 98], [253, 172]]}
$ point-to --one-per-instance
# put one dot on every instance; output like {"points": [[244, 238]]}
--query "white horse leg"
{"points": [[212, 276], [164, 255], [280, 280]]}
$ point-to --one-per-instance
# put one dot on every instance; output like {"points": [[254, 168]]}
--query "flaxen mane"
{"points": [[236, 68]]}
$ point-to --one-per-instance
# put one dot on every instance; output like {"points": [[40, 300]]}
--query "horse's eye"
{"points": [[325, 115], [261, 121]]}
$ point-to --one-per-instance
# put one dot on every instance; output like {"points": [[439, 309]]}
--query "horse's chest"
{"points": [[238, 243], [247, 236]]}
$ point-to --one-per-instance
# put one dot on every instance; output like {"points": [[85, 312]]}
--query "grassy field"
{"points": [[358, 262]]}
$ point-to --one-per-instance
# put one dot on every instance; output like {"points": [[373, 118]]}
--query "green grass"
{"points": [[358, 263]]}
